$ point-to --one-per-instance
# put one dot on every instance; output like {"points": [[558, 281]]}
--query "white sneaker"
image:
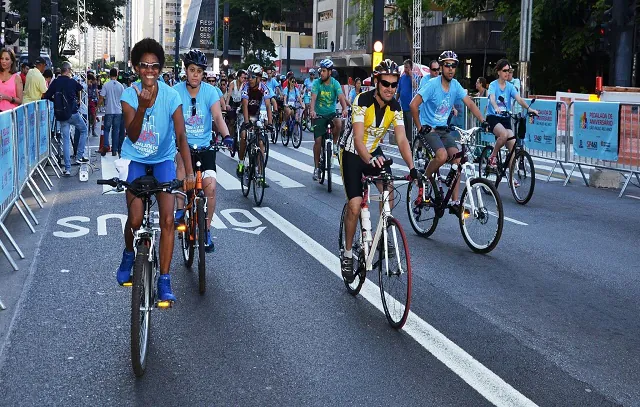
{"points": [[316, 174]]}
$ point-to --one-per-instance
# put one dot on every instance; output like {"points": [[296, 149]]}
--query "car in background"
{"points": [[24, 58]]}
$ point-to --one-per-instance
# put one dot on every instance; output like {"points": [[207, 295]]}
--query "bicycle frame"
{"points": [[147, 231]]}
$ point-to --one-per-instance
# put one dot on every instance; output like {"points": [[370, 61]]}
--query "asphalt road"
{"points": [[550, 317]]}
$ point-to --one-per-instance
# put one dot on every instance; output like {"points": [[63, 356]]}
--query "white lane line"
{"points": [[336, 179], [633, 196], [226, 180], [109, 171], [282, 180], [517, 222], [474, 373], [337, 164]]}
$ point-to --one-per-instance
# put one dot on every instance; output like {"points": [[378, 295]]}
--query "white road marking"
{"points": [[309, 152], [633, 196], [282, 180], [336, 179], [109, 171], [474, 373], [227, 181]]}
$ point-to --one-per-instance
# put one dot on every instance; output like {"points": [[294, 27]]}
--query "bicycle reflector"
{"points": [[466, 213], [164, 304], [128, 284], [181, 227]]}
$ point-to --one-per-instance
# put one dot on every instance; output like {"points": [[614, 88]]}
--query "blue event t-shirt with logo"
{"points": [[198, 127], [437, 104], [157, 141], [508, 94], [272, 84], [405, 88]]}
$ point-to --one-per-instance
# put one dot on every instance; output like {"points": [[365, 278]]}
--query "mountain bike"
{"points": [[326, 152], [292, 129], [517, 166], [146, 268], [277, 123], [254, 164], [480, 204], [390, 245], [306, 119]]}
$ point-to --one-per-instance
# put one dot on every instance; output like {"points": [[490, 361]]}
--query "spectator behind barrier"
{"points": [[35, 85], [48, 76], [11, 84]]}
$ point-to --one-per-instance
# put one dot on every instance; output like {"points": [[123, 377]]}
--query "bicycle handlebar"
{"points": [[169, 187]]}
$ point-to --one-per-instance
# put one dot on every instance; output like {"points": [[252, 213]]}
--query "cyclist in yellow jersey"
{"points": [[373, 112]]}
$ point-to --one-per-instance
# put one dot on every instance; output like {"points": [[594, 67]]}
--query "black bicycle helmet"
{"points": [[195, 57], [387, 67]]}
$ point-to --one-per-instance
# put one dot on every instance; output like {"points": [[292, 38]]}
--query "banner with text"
{"points": [[43, 130], [32, 135], [541, 130], [595, 130], [7, 178], [21, 138]]}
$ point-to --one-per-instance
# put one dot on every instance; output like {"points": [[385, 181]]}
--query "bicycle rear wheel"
{"points": [[354, 287], [141, 304], [394, 271], [329, 164], [186, 242], [297, 135], [202, 225], [245, 180], [486, 172], [265, 140], [258, 177], [523, 171], [481, 228], [422, 212]]}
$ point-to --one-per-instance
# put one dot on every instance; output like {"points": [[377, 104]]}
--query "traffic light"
{"points": [[225, 22], [11, 33]]}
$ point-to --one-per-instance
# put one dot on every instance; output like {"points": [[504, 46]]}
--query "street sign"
{"points": [[68, 52], [376, 59]]}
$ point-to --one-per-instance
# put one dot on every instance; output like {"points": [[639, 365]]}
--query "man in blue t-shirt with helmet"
{"points": [[437, 98]]}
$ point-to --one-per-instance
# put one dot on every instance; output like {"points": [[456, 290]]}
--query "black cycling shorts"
{"points": [[494, 120], [207, 160], [352, 169]]}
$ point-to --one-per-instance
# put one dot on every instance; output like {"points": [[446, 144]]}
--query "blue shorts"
{"points": [[163, 172]]}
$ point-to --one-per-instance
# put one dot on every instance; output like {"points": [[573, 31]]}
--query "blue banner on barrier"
{"points": [[43, 130], [7, 178], [595, 130], [21, 133], [484, 136], [32, 136], [541, 130]]}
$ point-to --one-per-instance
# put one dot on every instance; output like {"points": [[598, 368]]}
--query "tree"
{"points": [[564, 34], [100, 14]]}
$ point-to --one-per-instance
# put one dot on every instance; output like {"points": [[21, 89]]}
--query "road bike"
{"points": [[387, 249], [292, 129], [254, 164], [480, 214], [277, 123], [517, 167], [146, 268], [191, 232], [326, 152]]}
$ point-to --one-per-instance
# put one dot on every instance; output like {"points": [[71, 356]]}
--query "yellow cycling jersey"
{"points": [[376, 119]]}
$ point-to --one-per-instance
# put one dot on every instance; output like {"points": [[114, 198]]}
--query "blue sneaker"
{"points": [[208, 243], [178, 219], [125, 271], [164, 288]]}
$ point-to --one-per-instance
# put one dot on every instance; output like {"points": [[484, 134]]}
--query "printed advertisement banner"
{"points": [[32, 135], [541, 130], [21, 133], [43, 130], [595, 130], [7, 178], [482, 105]]}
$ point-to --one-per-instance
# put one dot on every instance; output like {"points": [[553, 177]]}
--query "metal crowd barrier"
{"points": [[557, 138]]}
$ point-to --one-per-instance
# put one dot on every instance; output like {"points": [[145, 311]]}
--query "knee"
{"points": [[134, 221], [441, 156], [166, 223], [354, 208]]}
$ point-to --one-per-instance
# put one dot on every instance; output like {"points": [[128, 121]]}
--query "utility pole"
{"points": [[54, 32], [623, 15], [215, 29], [525, 45], [33, 29], [225, 37], [176, 57]]}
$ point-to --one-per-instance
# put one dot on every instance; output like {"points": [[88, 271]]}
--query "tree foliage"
{"points": [[564, 39]]}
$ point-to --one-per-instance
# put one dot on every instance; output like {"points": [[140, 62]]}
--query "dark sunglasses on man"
{"points": [[388, 84]]}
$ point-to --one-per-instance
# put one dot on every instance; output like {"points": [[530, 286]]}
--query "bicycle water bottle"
{"points": [[452, 173], [365, 219]]}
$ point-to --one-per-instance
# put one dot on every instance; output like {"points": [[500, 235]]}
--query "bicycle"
{"points": [[263, 134], [306, 119], [326, 152], [479, 199], [521, 173], [390, 243], [277, 123], [295, 134], [254, 164], [145, 268], [192, 230]]}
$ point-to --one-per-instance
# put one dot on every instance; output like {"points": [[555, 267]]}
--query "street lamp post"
{"points": [[486, 43], [42, 21]]}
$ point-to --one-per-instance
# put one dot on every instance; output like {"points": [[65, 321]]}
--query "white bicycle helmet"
{"points": [[326, 63], [447, 55], [255, 69], [312, 71]]}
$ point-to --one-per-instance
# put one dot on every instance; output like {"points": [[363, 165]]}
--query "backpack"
{"points": [[61, 107]]}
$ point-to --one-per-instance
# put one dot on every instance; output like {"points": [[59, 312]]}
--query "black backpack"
{"points": [[61, 107]]}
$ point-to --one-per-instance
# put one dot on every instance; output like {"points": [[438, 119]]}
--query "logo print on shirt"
{"points": [[442, 112], [147, 143], [194, 125]]}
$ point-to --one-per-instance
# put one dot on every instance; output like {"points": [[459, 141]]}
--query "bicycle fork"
{"points": [[469, 172]]}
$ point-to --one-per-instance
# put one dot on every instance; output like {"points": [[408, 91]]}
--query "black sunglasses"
{"points": [[435, 69], [193, 106], [145, 65], [388, 84], [453, 65], [508, 70]]}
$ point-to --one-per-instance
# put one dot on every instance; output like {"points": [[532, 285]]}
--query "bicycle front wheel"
{"points": [[481, 223], [141, 304], [265, 140], [285, 136], [394, 271], [329, 164], [202, 225], [258, 177], [186, 241], [522, 173], [297, 135], [421, 208], [321, 164], [245, 180], [356, 248]]}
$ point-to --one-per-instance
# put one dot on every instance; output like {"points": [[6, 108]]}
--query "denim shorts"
{"points": [[164, 171]]}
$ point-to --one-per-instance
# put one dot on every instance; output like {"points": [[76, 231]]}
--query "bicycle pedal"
{"points": [[164, 304]]}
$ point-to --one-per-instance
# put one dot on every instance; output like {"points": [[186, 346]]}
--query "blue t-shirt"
{"points": [[157, 141], [508, 93], [308, 83], [437, 104], [198, 126], [352, 95], [272, 84], [405, 87], [291, 98]]}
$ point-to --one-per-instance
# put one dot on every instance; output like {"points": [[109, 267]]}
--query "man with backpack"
{"points": [[65, 93]]}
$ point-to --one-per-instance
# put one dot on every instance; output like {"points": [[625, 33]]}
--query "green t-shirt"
{"points": [[327, 96]]}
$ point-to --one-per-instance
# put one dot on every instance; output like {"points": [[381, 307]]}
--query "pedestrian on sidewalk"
{"points": [[406, 83], [92, 99], [65, 94], [110, 98], [11, 86], [35, 85]]}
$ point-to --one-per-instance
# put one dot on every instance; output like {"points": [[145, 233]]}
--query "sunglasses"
{"points": [[434, 69], [452, 65], [153, 66], [252, 76], [507, 70], [193, 106], [388, 84]]}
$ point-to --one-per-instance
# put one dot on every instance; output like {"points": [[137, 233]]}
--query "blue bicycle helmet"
{"points": [[326, 63]]}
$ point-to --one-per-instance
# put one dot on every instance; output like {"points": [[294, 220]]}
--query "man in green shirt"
{"points": [[324, 93]]}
